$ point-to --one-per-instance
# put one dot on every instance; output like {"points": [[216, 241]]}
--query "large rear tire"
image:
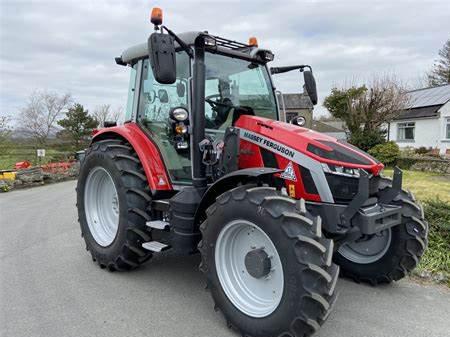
{"points": [[392, 254], [267, 265], [113, 201]]}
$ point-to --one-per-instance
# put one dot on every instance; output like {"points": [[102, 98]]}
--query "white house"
{"points": [[426, 123]]}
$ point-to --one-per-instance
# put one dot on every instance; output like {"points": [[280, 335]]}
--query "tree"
{"points": [[78, 125], [365, 109], [5, 129], [39, 117], [440, 74], [104, 113]]}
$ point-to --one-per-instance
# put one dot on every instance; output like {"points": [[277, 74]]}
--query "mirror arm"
{"points": [[279, 70], [183, 45]]}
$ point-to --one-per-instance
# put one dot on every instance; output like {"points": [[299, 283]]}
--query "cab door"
{"points": [[156, 100]]}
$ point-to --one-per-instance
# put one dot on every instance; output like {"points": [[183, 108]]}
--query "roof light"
{"points": [[253, 42], [157, 16]]}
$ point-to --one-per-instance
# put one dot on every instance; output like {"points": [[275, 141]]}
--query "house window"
{"points": [[406, 131], [447, 129]]}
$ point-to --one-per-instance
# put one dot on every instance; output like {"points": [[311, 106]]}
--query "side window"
{"points": [[211, 89], [406, 131], [131, 90], [447, 129], [156, 99]]}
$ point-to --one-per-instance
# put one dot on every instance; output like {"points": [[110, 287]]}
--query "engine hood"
{"points": [[317, 146]]}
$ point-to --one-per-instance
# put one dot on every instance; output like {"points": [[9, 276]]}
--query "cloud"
{"points": [[69, 46]]}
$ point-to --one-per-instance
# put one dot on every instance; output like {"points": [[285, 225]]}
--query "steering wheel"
{"points": [[151, 96], [215, 104]]}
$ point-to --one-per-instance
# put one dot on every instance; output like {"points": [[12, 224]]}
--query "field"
{"points": [[425, 185], [433, 190], [13, 153]]}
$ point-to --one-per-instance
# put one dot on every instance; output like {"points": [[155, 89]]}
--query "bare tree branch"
{"points": [[39, 116], [5, 129], [104, 113]]}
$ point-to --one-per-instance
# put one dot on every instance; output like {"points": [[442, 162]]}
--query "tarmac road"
{"points": [[49, 287]]}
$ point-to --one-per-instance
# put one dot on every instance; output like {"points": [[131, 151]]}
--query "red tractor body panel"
{"points": [[146, 150], [298, 138], [300, 152]]}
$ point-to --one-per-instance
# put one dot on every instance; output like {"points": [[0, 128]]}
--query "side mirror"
{"points": [[161, 49], [163, 96], [299, 121], [310, 84]]}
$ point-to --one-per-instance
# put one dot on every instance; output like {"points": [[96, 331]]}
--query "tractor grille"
{"points": [[344, 188]]}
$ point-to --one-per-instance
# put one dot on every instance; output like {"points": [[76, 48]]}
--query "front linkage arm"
{"points": [[358, 201], [364, 214], [372, 215], [389, 194]]}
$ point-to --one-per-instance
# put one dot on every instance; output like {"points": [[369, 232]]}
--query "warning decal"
{"points": [[289, 172]]}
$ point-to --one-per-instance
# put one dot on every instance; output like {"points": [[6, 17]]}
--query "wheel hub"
{"points": [[367, 249], [249, 268], [257, 263], [101, 204]]}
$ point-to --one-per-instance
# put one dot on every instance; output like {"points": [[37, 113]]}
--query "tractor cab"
{"points": [[234, 81], [233, 87]]}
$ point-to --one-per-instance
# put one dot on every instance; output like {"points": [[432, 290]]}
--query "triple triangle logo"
{"points": [[289, 172]]}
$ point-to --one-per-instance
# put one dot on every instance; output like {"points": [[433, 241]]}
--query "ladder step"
{"points": [[158, 224], [155, 246]]}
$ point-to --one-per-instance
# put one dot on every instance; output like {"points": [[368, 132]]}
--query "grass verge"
{"points": [[433, 191]]}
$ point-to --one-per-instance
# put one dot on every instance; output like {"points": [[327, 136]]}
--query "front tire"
{"points": [[267, 265], [405, 245], [113, 201]]}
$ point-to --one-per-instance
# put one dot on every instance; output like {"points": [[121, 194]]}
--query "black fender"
{"points": [[258, 175]]}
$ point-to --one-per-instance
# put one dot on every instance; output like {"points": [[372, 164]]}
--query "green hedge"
{"points": [[437, 257]]}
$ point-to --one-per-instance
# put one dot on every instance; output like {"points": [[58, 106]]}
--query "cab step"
{"points": [[155, 246], [158, 224]]}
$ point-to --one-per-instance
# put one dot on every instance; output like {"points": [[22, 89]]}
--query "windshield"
{"points": [[236, 86]]}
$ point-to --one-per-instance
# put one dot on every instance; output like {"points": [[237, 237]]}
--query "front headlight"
{"points": [[341, 170]]}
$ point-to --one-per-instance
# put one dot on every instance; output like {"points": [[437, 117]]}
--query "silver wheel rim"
{"points": [[255, 297], [367, 251], [101, 205]]}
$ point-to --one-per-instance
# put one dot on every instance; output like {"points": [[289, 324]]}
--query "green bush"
{"points": [[387, 153], [437, 257], [366, 140]]}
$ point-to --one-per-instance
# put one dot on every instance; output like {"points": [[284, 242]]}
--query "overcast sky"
{"points": [[69, 46]]}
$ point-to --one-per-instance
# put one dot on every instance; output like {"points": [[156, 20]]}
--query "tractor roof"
{"points": [[141, 50], [225, 46]]}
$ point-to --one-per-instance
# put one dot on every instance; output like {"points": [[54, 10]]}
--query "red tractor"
{"points": [[203, 164]]}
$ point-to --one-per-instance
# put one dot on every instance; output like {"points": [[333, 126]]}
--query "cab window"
{"points": [[131, 89], [156, 100], [234, 87]]}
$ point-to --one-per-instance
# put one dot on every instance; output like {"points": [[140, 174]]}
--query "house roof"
{"points": [[297, 101], [422, 112], [324, 127], [336, 123], [425, 103], [429, 96]]}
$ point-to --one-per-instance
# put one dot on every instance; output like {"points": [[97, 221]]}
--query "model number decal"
{"points": [[275, 146]]}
